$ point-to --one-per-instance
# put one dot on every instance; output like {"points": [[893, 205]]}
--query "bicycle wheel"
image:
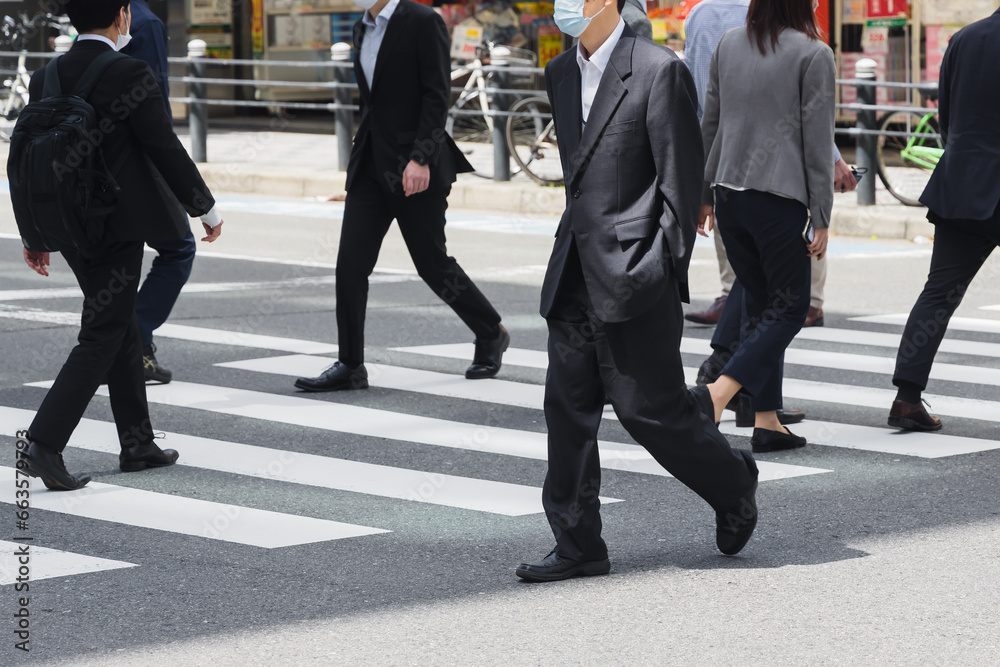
{"points": [[531, 139], [469, 123], [904, 173]]}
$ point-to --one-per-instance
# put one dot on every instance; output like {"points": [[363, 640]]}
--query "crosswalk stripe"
{"points": [[370, 422], [187, 516], [514, 356], [954, 324], [863, 363], [320, 471], [996, 307], [46, 563], [891, 340], [926, 445]]}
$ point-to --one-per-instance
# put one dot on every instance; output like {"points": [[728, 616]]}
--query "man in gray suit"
{"points": [[625, 111]]}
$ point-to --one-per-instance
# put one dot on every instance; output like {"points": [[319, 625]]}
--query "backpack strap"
{"points": [[51, 86], [95, 70]]}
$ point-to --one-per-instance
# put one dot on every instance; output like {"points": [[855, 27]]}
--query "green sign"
{"points": [[886, 23]]}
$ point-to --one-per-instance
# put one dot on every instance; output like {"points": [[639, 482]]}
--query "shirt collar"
{"points": [[602, 55], [100, 38], [383, 16]]}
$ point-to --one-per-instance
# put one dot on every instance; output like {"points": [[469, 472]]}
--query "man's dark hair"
{"points": [[621, 5], [91, 15], [766, 19]]}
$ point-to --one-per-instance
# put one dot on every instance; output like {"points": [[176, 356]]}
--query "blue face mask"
{"points": [[570, 19]]}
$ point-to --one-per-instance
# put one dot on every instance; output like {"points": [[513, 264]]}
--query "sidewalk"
{"points": [[288, 164]]}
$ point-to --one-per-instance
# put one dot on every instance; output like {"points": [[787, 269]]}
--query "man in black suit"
{"points": [[962, 197], [142, 150], [402, 166], [615, 282]]}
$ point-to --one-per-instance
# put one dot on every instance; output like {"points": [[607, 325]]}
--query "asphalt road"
{"points": [[383, 526]]}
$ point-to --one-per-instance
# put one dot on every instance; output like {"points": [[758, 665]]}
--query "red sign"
{"points": [[878, 9]]}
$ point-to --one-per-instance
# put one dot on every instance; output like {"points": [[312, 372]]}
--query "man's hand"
{"points": [[843, 179], [706, 221], [818, 247], [213, 232], [37, 261], [416, 178]]}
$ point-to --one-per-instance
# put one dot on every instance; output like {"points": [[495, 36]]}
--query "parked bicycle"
{"points": [[531, 139], [905, 164]]}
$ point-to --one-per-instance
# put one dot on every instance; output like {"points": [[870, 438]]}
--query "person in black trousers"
{"points": [[402, 166], [962, 197], [614, 286], [174, 257], [137, 135]]}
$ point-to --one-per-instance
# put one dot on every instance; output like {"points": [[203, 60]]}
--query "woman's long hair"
{"points": [[766, 19]]}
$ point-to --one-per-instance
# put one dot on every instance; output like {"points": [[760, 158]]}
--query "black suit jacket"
{"points": [[156, 172], [403, 114], [966, 183], [633, 178]]}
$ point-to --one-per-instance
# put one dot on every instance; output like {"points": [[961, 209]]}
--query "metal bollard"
{"points": [[343, 118], [867, 143], [63, 43], [198, 112], [499, 57]]}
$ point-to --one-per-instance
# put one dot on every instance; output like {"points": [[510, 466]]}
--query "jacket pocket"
{"points": [[618, 128], [635, 229]]}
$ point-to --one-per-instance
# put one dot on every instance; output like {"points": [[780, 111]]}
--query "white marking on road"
{"points": [[863, 363], [187, 516], [312, 470], [955, 324], [513, 356], [48, 563], [926, 445], [374, 423], [997, 307], [890, 340]]}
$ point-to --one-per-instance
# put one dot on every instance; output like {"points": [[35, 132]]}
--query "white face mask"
{"points": [[123, 38], [365, 4]]}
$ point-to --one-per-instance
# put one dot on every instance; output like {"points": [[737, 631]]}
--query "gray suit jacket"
{"points": [[633, 178], [769, 120], [634, 13]]}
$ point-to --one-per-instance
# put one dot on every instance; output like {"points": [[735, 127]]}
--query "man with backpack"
{"points": [[87, 175]]}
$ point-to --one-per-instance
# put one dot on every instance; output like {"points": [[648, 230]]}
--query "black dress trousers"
{"points": [[961, 247], [108, 345], [637, 364], [369, 210]]}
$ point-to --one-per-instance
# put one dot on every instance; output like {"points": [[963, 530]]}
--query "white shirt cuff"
{"points": [[213, 218]]}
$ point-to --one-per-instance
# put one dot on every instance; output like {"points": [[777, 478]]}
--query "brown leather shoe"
{"points": [[912, 417], [814, 318], [711, 315]]}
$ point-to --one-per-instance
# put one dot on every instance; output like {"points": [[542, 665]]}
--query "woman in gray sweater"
{"points": [[768, 133]]}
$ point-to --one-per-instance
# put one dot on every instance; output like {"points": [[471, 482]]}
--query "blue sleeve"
{"points": [[836, 154], [149, 44]]}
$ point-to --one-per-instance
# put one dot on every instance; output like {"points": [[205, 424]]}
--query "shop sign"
{"points": [[886, 8], [550, 44], [257, 28], [875, 40], [887, 23], [465, 41]]}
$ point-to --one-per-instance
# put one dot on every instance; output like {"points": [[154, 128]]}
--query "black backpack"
{"points": [[60, 186]]}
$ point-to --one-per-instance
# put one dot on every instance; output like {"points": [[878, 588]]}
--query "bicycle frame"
{"points": [[923, 156], [475, 86]]}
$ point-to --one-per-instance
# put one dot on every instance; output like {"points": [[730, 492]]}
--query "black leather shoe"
{"points": [[557, 568], [745, 416], [338, 377], [764, 440], [151, 368], [48, 465], [489, 353], [703, 399], [140, 457], [711, 368], [734, 528]]}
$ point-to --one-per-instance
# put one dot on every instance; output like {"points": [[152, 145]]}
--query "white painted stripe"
{"points": [[185, 332], [320, 471], [927, 445], [402, 427], [863, 363], [513, 356], [997, 307], [954, 324], [890, 340], [48, 563], [187, 516]]}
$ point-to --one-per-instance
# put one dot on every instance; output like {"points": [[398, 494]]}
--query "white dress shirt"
{"points": [[592, 69], [374, 32], [214, 217]]}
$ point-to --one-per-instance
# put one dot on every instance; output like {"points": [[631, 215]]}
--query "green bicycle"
{"points": [[905, 164]]}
